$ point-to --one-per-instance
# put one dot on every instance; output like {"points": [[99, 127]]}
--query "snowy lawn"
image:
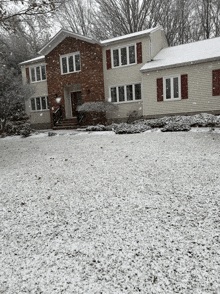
{"points": [[105, 213]]}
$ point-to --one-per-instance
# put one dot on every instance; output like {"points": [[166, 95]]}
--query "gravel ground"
{"points": [[106, 213]]}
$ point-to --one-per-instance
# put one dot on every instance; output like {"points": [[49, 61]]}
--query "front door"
{"points": [[75, 101]]}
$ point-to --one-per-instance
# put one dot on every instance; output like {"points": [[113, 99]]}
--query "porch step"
{"points": [[67, 124]]}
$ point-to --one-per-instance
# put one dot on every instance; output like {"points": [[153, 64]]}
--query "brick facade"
{"points": [[90, 77]]}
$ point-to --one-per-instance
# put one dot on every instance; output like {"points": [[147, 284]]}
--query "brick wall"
{"points": [[90, 77]]}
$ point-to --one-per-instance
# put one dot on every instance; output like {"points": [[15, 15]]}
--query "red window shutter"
{"points": [[160, 89], [139, 52], [184, 86], [108, 59], [216, 82], [27, 75]]}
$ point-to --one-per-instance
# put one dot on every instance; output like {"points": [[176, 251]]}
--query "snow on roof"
{"points": [[128, 36], [201, 51], [33, 60]]}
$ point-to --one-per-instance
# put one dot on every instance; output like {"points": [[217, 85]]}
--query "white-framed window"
{"points": [[171, 88], [38, 73], [125, 93], [123, 56], [40, 103], [70, 63]]}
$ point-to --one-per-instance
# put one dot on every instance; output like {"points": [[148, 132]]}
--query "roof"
{"points": [[197, 52], [129, 36], [60, 36], [33, 60]]}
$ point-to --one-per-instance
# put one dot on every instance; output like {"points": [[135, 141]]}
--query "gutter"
{"points": [[34, 60], [124, 38], [179, 64]]}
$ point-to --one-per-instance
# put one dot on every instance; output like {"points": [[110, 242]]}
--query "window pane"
{"points": [[123, 56], [33, 74], [43, 101], [48, 105], [71, 66], [137, 91], [175, 88], [113, 94], [116, 57], [121, 91], [64, 65], [38, 73], [131, 54], [38, 103], [168, 89], [33, 104], [129, 92], [43, 72], [77, 60]]}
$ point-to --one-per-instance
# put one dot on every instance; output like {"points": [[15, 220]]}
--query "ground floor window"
{"points": [[125, 93], [39, 103], [171, 88]]}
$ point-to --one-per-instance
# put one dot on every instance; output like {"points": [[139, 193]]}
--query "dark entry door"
{"points": [[75, 101]]}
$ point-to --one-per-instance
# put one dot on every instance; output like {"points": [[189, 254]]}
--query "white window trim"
{"points": [[74, 63], [37, 110], [35, 72], [127, 50], [164, 88], [125, 92]]}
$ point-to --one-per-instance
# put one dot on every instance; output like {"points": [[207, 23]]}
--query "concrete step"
{"points": [[67, 124], [65, 127]]}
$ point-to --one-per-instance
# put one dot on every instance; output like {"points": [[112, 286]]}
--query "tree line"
{"points": [[27, 25]]}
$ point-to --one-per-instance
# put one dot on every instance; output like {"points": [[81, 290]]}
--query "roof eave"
{"points": [[49, 46], [32, 61], [180, 64], [107, 43]]}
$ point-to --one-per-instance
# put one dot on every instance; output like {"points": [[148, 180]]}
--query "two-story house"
{"points": [[138, 72], [74, 69]]}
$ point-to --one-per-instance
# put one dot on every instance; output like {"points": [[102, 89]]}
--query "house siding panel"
{"points": [[158, 42], [200, 97], [125, 75], [40, 118]]}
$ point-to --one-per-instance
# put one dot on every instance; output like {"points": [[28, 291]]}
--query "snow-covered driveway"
{"points": [[104, 213]]}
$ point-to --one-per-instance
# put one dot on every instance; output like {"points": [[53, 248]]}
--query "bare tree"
{"points": [[208, 18], [175, 16], [23, 44], [76, 15], [118, 17], [19, 10]]}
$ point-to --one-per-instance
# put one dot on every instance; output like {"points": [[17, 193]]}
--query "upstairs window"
{"points": [[126, 93], [39, 103], [124, 56], [38, 73], [70, 63], [171, 88]]}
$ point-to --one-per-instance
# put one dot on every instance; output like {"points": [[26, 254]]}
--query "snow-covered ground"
{"points": [[104, 213]]}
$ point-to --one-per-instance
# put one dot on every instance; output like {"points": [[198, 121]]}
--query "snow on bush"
{"points": [[170, 123]]}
